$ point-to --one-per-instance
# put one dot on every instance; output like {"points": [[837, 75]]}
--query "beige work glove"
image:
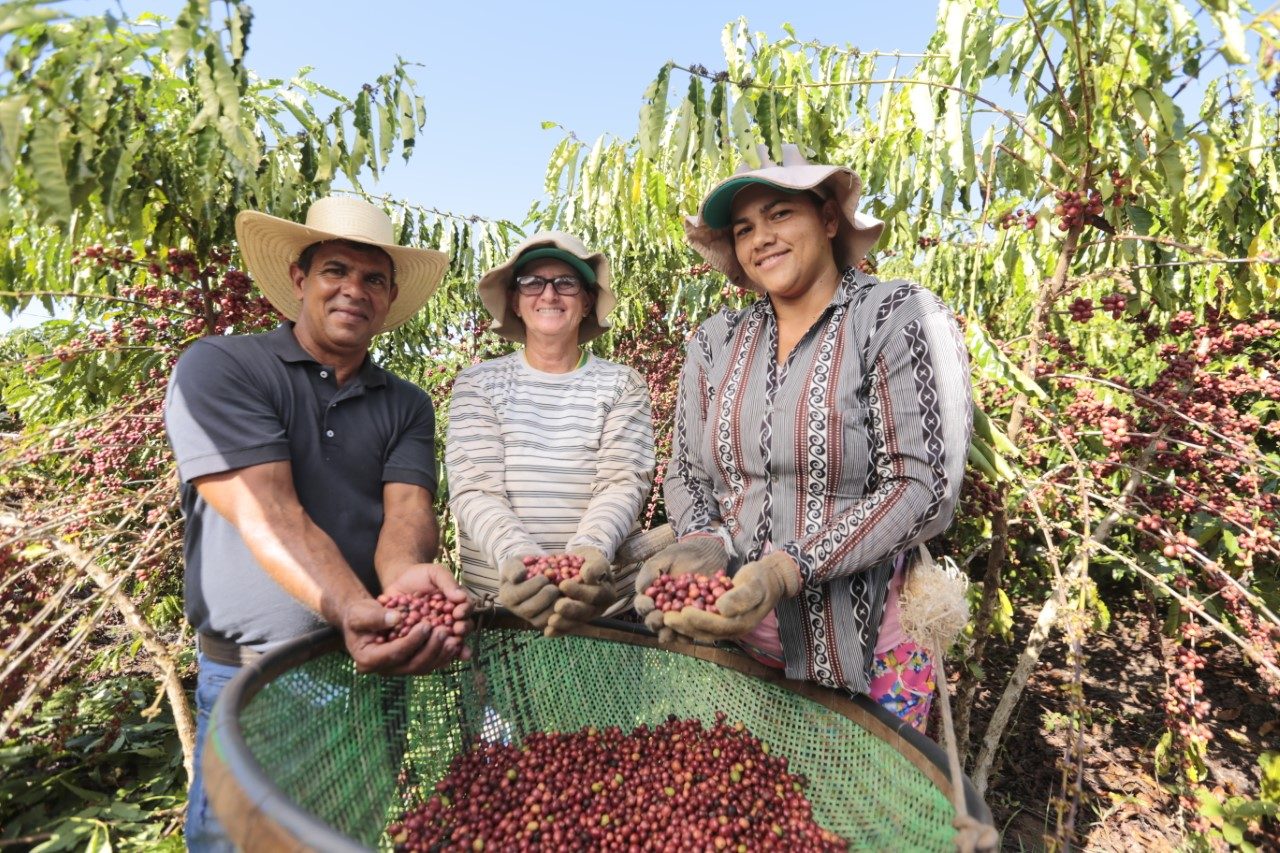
{"points": [[585, 598], [697, 554], [533, 599], [757, 589]]}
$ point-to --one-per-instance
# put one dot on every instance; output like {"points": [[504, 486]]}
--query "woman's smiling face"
{"points": [[783, 239], [551, 316]]}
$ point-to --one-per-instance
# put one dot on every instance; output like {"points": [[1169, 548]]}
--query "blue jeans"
{"points": [[204, 834]]}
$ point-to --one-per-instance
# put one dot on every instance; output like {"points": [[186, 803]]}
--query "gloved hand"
{"points": [[584, 598], [533, 599], [698, 553], [757, 589]]}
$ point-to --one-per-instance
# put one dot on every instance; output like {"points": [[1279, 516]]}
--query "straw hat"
{"points": [[270, 244], [495, 286], [709, 231]]}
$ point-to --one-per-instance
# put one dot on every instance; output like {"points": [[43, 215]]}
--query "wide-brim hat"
{"points": [[270, 245], [495, 285], [710, 235]]}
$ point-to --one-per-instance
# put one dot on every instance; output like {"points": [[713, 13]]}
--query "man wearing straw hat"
{"points": [[308, 472]]}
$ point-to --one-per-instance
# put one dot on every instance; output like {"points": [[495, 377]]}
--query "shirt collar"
{"points": [[284, 344], [849, 283]]}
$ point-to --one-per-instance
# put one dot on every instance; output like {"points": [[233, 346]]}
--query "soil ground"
{"points": [[1124, 806]]}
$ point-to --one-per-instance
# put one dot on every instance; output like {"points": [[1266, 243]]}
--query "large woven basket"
{"points": [[305, 753]]}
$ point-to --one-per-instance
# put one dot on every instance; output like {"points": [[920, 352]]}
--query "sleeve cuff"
{"points": [[221, 462], [719, 532], [803, 561], [412, 476]]}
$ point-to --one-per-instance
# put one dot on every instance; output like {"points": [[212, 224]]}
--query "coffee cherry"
{"points": [[432, 608], [701, 592], [1081, 310], [555, 567], [1115, 303], [676, 786]]}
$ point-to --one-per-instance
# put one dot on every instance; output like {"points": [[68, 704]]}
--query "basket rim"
{"points": [[245, 787]]}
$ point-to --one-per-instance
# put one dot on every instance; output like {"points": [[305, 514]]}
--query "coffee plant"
{"points": [[1091, 185]]}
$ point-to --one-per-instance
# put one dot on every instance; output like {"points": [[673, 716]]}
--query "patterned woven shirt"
{"points": [[844, 456]]}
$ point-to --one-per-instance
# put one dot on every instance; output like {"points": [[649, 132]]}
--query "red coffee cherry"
{"points": [[432, 608], [675, 786], [701, 592], [555, 567]]}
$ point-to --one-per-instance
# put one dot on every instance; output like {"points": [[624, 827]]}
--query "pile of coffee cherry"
{"points": [[675, 786], [433, 608], [676, 592], [555, 567]]}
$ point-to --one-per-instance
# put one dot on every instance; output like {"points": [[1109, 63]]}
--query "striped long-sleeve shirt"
{"points": [[540, 462], [846, 455]]}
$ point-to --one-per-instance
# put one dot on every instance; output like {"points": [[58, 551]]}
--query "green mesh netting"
{"points": [[355, 750]]}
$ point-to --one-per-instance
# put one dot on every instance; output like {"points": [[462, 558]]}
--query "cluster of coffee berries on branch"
{"points": [[701, 592], [1020, 217], [1075, 207], [1115, 303], [927, 242], [676, 786], [1120, 189], [556, 568], [434, 609], [1081, 310]]}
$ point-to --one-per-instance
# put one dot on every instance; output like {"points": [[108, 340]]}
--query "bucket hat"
{"points": [[270, 244], [495, 285], [709, 233]]}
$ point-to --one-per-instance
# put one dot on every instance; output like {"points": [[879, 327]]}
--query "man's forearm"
{"points": [[286, 542], [410, 535], [305, 561]]}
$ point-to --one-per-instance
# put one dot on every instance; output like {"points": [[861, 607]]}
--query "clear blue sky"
{"points": [[492, 72]]}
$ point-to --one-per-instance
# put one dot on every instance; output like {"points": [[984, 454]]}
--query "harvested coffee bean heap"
{"points": [[674, 787]]}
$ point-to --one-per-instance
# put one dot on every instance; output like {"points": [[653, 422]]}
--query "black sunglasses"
{"points": [[534, 285]]}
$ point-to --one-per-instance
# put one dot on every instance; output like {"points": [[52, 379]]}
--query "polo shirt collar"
{"points": [[284, 344]]}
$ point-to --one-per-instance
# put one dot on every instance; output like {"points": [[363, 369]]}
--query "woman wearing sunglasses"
{"points": [[549, 448]]}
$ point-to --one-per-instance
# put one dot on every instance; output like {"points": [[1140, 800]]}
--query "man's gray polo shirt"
{"points": [[234, 402]]}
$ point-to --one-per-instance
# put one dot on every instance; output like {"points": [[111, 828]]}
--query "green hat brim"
{"points": [[587, 273], [718, 208]]}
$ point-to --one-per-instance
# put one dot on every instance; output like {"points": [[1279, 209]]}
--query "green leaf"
{"points": [[995, 364], [921, 97], [1233, 46], [51, 178], [653, 112], [362, 121], [743, 137], [1174, 171], [21, 15], [979, 459], [11, 111], [1140, 217], [984, 427], [1160, 757], [408, 128]]}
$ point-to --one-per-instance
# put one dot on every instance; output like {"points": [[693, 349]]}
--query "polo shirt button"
{"points": [[329, 433], [324, 374]]}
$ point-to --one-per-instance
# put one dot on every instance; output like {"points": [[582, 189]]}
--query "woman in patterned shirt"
{"points": [[549, 449], [821, 433]]}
